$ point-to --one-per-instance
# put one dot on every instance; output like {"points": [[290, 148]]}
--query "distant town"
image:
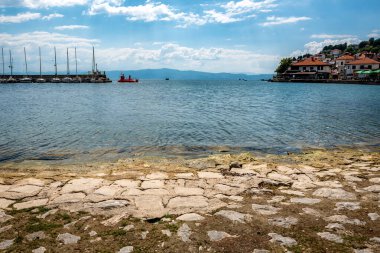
{"points": [[335, 63]]}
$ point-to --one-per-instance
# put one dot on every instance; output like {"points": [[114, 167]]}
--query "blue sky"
{"points": [[242, 36]]}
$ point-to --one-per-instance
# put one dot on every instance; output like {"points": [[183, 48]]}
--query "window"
{"points": [[311, 68], [369, 66], [341, 63], [353, 67], [304, 68], [361, 66]]}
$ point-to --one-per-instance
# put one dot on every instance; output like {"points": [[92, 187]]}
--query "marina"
{"points": [[93, 76]]}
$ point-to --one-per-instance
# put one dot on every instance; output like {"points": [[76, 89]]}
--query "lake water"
{"points": [[57, 121]]}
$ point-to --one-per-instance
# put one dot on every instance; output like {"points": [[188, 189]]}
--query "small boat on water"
{"points": [[127, 80], [25, 80], [40, 80], [67, 79], [55, 80]]}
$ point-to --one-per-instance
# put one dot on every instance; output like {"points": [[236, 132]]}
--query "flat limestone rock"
{"points": [[68, 238], [334, 193], [190, 217], [188, 191], [184, 232], [234, 216], [39, 250], [373, 216], [192, 201], [126, 249], [40, 235], [334, 226], [261, 251], [69, 198], [149, 206], [330, 237], [5, 228], [112, 203], [210, 175], [108, 190], [279, 177], [31, 181], [375, 180], [282, 240], [85, 185], [4, 217], [283, 222], [30, 204], [363, 250], [21, 191], [114, 219], [157, 175], [265, 209], [128, 183], [311, 211], [292, 192], [166, 232], [6, 244], [184, 175], [352, 206], [373, 188], [4, 203], [306, 201], [344, 219], [216, 236], [151, 184]]}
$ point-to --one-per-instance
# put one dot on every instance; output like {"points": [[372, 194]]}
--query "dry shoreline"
{"points": [[315, 201]]}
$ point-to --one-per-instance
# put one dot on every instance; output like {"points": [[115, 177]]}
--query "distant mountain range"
{"points": [[174, 74]]}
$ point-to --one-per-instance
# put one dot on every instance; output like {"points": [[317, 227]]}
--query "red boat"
{"points": [[127, 80]]}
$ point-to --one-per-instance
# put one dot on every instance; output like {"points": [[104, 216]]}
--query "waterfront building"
{"points": [[341, 64], [309, 68], [361, 64]]}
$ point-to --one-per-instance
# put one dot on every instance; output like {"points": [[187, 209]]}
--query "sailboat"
{"points": [[67, 79], [55, 79], [11, 79], [2, 79], [77, 79], [25, 79], [40, 79]]}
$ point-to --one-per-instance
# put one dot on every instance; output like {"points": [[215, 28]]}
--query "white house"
{"points": [[361, 64]]}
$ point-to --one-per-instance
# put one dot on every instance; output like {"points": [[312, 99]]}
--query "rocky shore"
{"points": [[317, 201]]}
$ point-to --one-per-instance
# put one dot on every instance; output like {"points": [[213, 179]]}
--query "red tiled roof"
{"points": [[363, 62], [310, 62], [345, 58]]}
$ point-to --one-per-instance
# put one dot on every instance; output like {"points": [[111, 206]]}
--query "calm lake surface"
{"points": [[59, 121]]}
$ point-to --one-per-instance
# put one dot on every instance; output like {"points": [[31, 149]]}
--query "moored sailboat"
{"points": [[40, 79], [25, 79], [55, 79]]}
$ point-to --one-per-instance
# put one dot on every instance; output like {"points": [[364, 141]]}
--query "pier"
{"points": [[64, 78]]}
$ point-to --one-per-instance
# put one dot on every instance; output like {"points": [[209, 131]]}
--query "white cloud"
{"points": [[27, 16], [163, 54], [273, 20], [20, 17], [34, 4], [151, 11], [51, 16], [332, 36], [315, 47], [374, 34], [71, 27]]}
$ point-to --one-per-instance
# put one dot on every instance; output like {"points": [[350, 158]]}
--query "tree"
{"points": [[371, 41], [284, 65], [363, 44]]}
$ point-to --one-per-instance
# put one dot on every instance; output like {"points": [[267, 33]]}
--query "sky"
{"points": [[242, 36]]}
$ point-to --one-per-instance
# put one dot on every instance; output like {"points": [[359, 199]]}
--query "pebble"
{"points": [[334, 193], [261, 251], [144, 234], [311, 211], [363, 251], [40, 235], [127, 249], [166, 232], [344, 219], [92, 233], [334, 226], [352, 206], [129, 227]]}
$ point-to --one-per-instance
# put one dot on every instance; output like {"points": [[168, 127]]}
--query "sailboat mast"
{"points": [[55, 60], [39, 50], [93, 59], [67, 60], [10, 62], [76, 62], [26, 64], [2, 57]]}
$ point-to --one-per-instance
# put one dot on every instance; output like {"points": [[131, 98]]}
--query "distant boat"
{"points": [[40, 79], [167, 79], [55, 80], [128, 80], [25, 79], [67, 79]]}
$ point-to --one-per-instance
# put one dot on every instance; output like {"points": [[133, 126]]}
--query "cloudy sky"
{"points": [[247, 36]]}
